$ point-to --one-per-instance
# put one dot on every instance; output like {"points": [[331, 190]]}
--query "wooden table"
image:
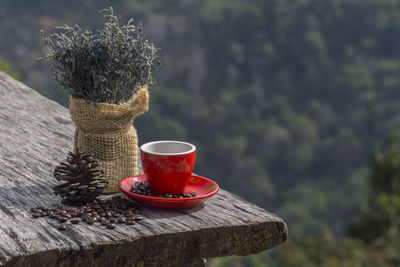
{"points": [[35, 134]]}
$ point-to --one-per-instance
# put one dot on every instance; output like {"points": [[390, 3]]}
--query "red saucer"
{"points": [[204, 187]]}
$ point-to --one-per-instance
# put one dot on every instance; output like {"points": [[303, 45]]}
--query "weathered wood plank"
{"points": [[35, 134]]}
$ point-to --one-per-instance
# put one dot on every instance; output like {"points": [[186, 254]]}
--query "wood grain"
{"points": [[35, 134]]}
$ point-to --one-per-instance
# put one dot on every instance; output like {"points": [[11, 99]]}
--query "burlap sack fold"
{"points": [[106, 131]]}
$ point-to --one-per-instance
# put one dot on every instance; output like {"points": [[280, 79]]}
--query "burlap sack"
{"points": [[106, 132]]}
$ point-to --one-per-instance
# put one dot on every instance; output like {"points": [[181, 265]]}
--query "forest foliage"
{"points": [[285, 100]]}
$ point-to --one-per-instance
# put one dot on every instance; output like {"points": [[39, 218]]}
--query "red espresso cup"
{"points": [[168, 165]]}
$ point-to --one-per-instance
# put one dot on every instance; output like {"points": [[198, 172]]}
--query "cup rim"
{"points": [[144, 148]]}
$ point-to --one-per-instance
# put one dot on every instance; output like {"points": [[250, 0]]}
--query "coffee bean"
{"points": [[86, 218], [61, 227], [75, 220], [132, 208], [128, 213], [63, 219], [139, 218], [121, 220], [110, 211], [110, 226]]}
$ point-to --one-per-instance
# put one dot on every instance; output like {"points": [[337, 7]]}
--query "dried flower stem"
{"points": [[107, 67]]}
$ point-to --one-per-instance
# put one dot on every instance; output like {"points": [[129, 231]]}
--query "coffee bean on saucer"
{"points": [[193, 194], [36, 215], [112, 220], [90, 221], [104, 222], [61, 227]]}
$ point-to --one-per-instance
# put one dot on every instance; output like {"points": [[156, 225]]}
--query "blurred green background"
{"points": [[289, 103]]}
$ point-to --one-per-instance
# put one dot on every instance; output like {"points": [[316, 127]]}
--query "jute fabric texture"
{"points": [[106, 131]]}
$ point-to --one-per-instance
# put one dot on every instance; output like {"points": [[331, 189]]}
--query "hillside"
{"points": [[285, 100]]}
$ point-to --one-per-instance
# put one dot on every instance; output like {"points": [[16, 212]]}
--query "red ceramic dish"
{"points": [[204, 187]]}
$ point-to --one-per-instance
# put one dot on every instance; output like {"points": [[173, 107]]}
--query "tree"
{"points": [[382, 214]]}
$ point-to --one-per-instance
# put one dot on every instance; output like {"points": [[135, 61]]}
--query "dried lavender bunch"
{"points": [[107, 67]]}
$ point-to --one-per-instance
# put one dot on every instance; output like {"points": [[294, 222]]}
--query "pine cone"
{"points": [[85, 179]]}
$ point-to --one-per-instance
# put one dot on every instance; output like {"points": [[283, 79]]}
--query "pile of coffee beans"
{"points": [[107, 212], [143, 188]]}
